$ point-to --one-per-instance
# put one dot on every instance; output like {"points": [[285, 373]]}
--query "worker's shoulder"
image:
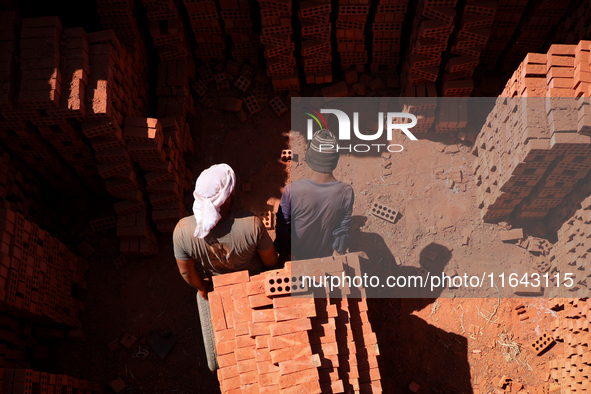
{"points": [[186, 224], [244, 216]]}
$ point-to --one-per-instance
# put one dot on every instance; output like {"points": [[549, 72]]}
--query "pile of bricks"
{"points": [[350, 31], [569, 369], [421, 101], [17, 340], [119, 15], [238, 25], [23, 381], [207, 28], [502, 28], [175, 102], [38, 273], [167, 29], [473, 35], [386, 32], [21, 189], [269, 342], [316, 46], [429, 39], [544, 128], [534, 30], [276, 36], [166, 174], [575, 26], [38, 100]]}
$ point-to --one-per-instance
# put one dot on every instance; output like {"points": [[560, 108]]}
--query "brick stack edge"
{"points": [[350, 33], [538, 165], [283, 344], [207, 28], [316, 31], [167, 29], [386, 31], [276, 36], [38, 273], [25, 381], [238, 24]]}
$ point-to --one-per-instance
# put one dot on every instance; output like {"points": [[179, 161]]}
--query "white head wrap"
{"points": [[212, 189]]}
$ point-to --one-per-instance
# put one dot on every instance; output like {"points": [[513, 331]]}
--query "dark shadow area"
{"points": [[411, 350]]}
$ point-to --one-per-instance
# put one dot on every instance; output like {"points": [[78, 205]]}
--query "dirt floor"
{"points": [[446, 345]]}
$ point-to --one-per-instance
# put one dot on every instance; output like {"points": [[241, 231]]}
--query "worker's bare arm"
{"points": [[191, 276], [269, 257]]}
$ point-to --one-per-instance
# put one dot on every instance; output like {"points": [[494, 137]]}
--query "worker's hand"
{"points": [[203, 291]]}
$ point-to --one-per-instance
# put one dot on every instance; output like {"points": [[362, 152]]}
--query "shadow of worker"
{"points": [[411, 350]]}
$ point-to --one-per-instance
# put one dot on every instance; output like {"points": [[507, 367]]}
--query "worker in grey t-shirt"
{"points": [[217, 240], [314, 215]]}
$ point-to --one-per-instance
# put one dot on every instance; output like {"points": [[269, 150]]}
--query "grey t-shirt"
{"points": [[232, 245], [318, 215]]}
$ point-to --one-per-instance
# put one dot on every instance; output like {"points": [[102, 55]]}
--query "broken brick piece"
{"points": [[128, 340], [515, 234]]}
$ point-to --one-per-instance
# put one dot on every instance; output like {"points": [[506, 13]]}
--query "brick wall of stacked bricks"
{"points": [[167, 29], [24, 381], [350, 34], [21, 189], [207, 30], [269, 342], [38, 273], [316, 45], [542, 124]]}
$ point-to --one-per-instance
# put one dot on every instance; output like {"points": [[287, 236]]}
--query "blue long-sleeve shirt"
{"points": [[318, 217]]}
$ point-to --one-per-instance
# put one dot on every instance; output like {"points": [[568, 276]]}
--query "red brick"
{"points": [[285, 354], [229, 372], [247, 365], [229, 104], [228, 384], [238, 291], [293, 379], [249, 377], [288, 302], [241, 316], [259, 300], [289, 340], [535, 58], [218, 317], [262, 341], [269, 389], [257, 329], [256, 287], [264, 315], [225, 335], [269, 378], [262, 355], [226, 360], [512, 235], [230, 279], [302, 311], [299, 364], [225, 347], [266, 367], [245, 341], [241, 328], [228, 306], [290, 326], [312, 387]]}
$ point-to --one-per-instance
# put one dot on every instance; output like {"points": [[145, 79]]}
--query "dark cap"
{"points": [[322, 154]]}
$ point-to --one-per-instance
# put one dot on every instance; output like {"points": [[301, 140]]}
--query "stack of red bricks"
{"points": [[547, 138], [503, 26], [473, 35], [575, 25], [21, 190], [276, 36], [269, 343], [23, 381], [166, 176], [570, 368], [207, 28], [38, 273], [452, 116], [119, 15], [421, 101], [167, 29], [350, 30], [17, 340], [39, 98], [316, 47], [534, 30], [429, 40], [385, 36], [238, 25], [175, 100]]}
